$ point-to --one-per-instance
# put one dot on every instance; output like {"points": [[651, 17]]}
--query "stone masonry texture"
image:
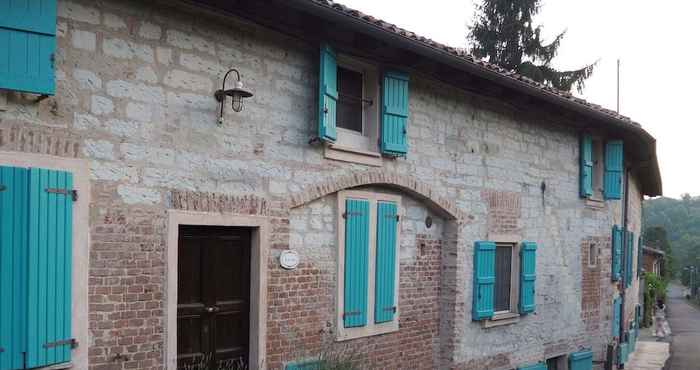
{"points": [[134, 98]]}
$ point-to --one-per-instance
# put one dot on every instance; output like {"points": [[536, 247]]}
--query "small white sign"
{"points": [[289, 259]]}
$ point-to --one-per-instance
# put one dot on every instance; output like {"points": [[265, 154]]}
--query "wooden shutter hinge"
{"points": [[72, 342], [392, 309], [351, 313], [72, 193], [3, 187], [2, 350]]}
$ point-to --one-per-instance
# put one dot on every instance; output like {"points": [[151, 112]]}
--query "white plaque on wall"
{"points": [[289, 259]]}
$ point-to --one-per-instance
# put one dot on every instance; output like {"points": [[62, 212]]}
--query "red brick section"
{"points": [[499, 361], [590, 285], [126, 285], [42, 140], [302, 310], [503, 211]]}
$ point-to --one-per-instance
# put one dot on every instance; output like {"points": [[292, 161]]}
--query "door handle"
{"points": [[212, 309]]}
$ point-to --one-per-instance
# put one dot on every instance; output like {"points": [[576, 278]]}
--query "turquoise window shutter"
{"points": [[616, 252], [309, 365], [623, 353], [394, 141], [356, 258], [528, 266], [484, 280], [586, 170], [328, 94], [539, 366], [612, 183], [617, 311], [27, 44], [582, 360], [13, 232], [385, 283], [640, 255], [629, 260], [49, 267]]}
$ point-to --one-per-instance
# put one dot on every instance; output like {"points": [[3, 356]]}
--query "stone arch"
{"points": [[406, 183]]}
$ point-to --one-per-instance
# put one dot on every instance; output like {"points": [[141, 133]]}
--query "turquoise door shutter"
{"points": [[623, 353], [310, 365], [616, 252], [484, 280], [617, 312], [27, 43], [328, 94], [586, 171], [13, 224], [394, 140], [582, 360], [49, 267], [356, 257], [539, 366], [528, 265], [385, 276], [612, 183]]}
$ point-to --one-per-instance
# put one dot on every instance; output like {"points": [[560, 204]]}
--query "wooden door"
{"points": [[213, 298]]}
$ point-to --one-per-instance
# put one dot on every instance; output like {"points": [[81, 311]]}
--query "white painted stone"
{"points": [[98, 149], [138, 195], [139, 112], [139, 92], [164, 55], [101, 105], [146, 74], [112, 171], [119, 48], [188, 81], [191, 101], [114, 22], [84, 40], [87, 80], [61, 29], [149, 31], [85, 121], [77, 12], [277, 187], [189, 41], [199, 64]]}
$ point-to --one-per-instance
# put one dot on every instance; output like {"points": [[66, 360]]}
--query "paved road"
{"points": [[685, 326]]}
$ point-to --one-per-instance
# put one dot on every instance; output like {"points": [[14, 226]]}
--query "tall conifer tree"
{"points": [[503, 33]]}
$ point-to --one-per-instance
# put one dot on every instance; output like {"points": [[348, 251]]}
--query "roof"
{"points": [[342, 15], [650, 250]]}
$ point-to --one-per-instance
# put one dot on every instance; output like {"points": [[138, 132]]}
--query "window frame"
{"points": [[371, 328], [514, 281], [593, 254], [351, 146]]}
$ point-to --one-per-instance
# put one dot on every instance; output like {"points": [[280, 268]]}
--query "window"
{"points": [[505, 293], [592, 255], [368, 274], [557, 363], [504, 267], [357, 115]]}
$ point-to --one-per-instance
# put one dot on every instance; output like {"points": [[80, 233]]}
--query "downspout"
{"points": [[623, 280]]}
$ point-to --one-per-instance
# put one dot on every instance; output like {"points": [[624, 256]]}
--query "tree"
{"points": [[503, 33]]}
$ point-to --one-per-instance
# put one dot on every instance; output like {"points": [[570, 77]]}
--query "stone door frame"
{"points": [[260, 231]]}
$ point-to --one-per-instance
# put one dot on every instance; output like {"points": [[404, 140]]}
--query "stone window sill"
{"points": [[65, 365], [501, 319], [353, 155], [368, 331], [594, 203]]}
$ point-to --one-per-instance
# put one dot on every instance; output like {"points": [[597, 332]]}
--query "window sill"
{"points": [[367, 331], [353, 155], [65, 365], [502, 319], [595, 203]]}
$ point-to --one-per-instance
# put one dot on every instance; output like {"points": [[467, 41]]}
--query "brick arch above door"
{"points": [[406, 183]]}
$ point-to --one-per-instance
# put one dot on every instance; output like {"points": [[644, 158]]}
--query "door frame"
{"points": [[258, 278]]}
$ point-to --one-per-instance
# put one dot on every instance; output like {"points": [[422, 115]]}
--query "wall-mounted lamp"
{"points": [[237, 94]]}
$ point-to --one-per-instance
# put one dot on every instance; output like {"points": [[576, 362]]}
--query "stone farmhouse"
{"points": [[380, 197]]}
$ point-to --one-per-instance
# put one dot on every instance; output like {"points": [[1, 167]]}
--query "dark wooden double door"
{"points": [[213, 298]]}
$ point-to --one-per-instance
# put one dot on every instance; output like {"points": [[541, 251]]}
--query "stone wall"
{"points": [[134, 98]]}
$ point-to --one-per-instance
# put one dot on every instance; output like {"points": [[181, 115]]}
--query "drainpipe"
{"points": [[623, 279]]}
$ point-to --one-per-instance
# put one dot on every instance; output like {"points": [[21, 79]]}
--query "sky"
{"points": [[658, 47]]}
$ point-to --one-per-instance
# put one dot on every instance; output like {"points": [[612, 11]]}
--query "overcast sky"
{"points": [[658, 44]]}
